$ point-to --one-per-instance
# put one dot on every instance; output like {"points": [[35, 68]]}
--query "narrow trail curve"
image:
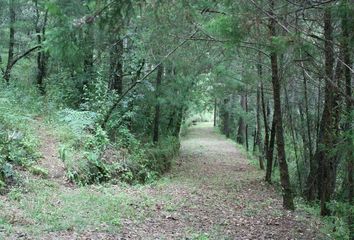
{"points": [[49, 149], [216, 192]]}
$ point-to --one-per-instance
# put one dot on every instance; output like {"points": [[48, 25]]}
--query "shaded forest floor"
{"points": [[212, 192]]}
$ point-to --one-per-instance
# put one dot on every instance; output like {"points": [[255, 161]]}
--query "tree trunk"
{"points": [[246, 124], [312, 178], [258, 133], [178, 122], [258, 145], [156, 127], [304, 139], [41, 55], [349, 121], [310, 189], [269, 154], [116, 66], [10, 57], [226, 118], [215, 111], [326, 134], [265, 119], [308, 117], [293, 138], [241, 132], [283, 166]]}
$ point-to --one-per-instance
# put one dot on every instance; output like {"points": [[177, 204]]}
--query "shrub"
{"points": [[160, 156]]}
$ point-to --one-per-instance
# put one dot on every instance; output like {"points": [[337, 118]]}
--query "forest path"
{"points": [[215, 193], [49, 149], [211, 192]]}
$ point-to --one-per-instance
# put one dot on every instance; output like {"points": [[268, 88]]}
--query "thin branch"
{"points": [[335, 86], [23, 55], [211, 38]]}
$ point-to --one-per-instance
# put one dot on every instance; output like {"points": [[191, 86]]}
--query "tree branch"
{"points": [[23, 55]]}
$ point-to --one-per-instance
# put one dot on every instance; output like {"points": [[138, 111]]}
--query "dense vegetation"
{"points": [[117, 82]]}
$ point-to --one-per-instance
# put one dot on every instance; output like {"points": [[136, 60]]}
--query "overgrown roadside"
{"points": [[212, 192]]}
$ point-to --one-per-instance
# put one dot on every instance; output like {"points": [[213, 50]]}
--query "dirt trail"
{"points": [[212, 192], [218, 194], [49, 149]]}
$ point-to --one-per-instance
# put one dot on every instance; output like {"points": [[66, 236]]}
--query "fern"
{"points": [[78, 121]]}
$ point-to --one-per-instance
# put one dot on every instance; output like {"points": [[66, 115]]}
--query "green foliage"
{"points": [[78, 121], [97, 96], [334, 226], [18, 146], [280, 44], [337, 225], [227, 27], [37, 170], [161, 155], [62, 90], [101, 163], [91, 157]]}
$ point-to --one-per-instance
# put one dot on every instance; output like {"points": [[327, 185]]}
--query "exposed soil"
{"points": [[49, 149]]}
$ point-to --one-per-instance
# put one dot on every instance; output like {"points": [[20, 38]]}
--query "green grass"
{"points": [[45, 206], [54, 209]]}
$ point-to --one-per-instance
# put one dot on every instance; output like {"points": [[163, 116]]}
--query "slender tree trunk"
{"points": [[156, 126], [241, 132], [293, 137], [326, 135], [246, 124], [269, 154], [41, 55], [254, 140], [215, 111], [266, 127], [171, 121], [349, 121], [311, 190], [305, 155], [10, 57], [311, 182], [283, 166], [179, 122], [116, 66], [257, 141], [308, 117], [226, 118]]}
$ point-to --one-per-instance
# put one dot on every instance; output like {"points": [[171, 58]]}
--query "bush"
{"points": [[161, 156], [97, 159]]}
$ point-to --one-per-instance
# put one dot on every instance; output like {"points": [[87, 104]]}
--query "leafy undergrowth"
{"points": [[89, 154], [18, 143], [91, 157]]}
